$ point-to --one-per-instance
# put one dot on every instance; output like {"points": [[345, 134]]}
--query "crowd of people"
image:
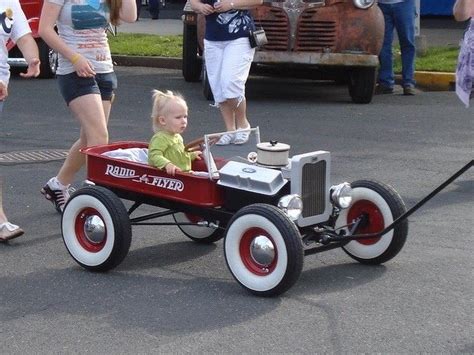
{"points": [[87, 80]]}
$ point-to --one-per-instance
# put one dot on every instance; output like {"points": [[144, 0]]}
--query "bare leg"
{"points": [[241, 115], [234, 114], [90, 112], [8, 230], [228, 113]]}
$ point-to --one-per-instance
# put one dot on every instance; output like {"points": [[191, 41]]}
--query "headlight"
{"points": [[363, 4], [341, 195], [292, 205]]}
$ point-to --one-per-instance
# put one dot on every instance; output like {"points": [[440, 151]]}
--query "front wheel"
{"points": [[195, 232], [263, 250], [362, 84], [96, 228], [380, 204]]}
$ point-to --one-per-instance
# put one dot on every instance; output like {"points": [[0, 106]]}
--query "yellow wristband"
{"points": [[75, 58]]}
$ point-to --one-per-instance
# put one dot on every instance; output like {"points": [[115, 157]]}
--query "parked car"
{"points": [[325, 39], [47, 56]]}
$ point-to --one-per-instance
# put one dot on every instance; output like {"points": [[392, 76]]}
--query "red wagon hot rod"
{"points": [[270, 209]]}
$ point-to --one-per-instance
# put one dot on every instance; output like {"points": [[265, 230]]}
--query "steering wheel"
{"points": [[197, 144], [194, 145]]}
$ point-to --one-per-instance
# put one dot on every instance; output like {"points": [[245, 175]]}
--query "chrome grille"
{"points": [[313, 191], [313, 35], [277, 28]]}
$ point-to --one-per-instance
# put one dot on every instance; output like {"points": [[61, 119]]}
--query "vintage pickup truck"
{"points": [[326, 39]]}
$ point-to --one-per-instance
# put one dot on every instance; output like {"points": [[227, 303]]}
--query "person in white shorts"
{"points": [[228, 57]]}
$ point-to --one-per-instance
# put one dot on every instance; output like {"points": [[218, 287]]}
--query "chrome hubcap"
{"points": [[94, 229], [262, 251]]}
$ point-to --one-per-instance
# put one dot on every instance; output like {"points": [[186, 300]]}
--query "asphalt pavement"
{"points": [[171, 295]]}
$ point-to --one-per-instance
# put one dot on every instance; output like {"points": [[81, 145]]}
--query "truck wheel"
{"points": [[96, 228], [192, 64], [49, 60], [362, 84], [199, 234], [263, 250], [382, 205], [206, 88]]}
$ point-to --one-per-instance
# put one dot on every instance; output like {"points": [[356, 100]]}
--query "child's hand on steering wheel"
{"points": [[198, 154]]}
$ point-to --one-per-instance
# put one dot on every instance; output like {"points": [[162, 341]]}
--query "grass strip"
{"points": [[438, 59], [137, 44]]}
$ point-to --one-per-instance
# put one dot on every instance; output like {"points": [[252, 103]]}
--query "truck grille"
{"points": [[313, 192], [313, 35], [277, 28]]}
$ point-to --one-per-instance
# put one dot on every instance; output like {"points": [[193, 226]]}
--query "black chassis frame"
{"points": [[323, 233]]}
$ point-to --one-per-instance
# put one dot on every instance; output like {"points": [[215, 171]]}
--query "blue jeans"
{"points": [[154, 8], [399, 16]]}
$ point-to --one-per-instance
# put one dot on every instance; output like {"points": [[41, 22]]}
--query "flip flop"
{"points": [[9, 231]]}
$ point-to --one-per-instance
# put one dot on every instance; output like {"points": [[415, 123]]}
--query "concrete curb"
{"points": [[430, 81], [435, 81]]}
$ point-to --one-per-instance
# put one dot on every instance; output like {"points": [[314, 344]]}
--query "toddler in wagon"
{"points": [[166, 148]]}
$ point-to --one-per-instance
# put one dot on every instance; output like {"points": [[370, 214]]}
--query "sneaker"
{"points": [[382, 90], [409, 91], [242, 136], [9, 231], [226, 139], [56, 193]]}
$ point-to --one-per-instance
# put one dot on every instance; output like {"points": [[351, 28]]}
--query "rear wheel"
{"points": [[263, 250], [49, 60], [362, 84], [199, 234], [192, 64], [96, 228], [381, 205]]}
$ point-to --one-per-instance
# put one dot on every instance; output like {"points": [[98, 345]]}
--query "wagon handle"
{"points": [[409, 212]]}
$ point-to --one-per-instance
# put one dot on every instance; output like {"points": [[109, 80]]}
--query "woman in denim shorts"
{"points": [[85, 74]]}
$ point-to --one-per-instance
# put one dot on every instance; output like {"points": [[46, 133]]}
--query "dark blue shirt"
{"points": [[228, 25]]}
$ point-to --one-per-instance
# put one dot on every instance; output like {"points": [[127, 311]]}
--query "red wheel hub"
{"points": [[258, 251], [374, 222], [90, 229]]}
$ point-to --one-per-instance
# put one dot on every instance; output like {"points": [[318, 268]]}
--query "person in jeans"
{"points": [[154, 9], [14, 26], [85, 74], [399, 15]]}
